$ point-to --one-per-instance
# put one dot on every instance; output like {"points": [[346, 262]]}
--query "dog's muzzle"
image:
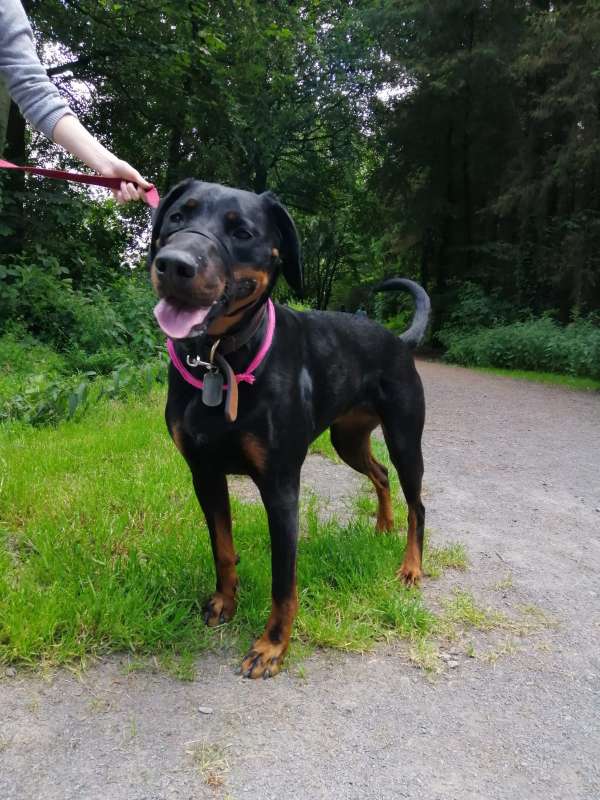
{"points": [[191, 278]]}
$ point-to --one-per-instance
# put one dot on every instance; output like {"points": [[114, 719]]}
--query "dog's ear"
{"points": [[289, 248], [159, 215]]}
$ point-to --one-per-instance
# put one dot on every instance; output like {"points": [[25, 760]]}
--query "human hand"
{"points": [[116, 168]]}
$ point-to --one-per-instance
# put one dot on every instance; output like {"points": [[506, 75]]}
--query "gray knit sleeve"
{"points": [[26, 79]]}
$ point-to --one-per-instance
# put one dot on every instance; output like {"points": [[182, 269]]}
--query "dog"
{"points": [[272, 380]]}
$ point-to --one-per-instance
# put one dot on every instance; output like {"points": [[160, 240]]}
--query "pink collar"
{"points": [[241, 377]]}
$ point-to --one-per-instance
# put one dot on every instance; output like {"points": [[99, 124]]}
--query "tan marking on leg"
{"points": [[385, 515], [255, 451], [265, 657], [221, 605], [410, 571], [352, 441], [177, 436]]}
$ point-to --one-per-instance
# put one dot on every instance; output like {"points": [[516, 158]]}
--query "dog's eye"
{"points": [[241, 233], [176, 217]]}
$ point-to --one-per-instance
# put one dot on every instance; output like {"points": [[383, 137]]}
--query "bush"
{"points": [[539, 345], [41, 299], [400, 322], [21, 355], [43, 400], [101, 342], [469, 308]]}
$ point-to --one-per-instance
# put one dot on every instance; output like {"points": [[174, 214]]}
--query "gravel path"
{"points": [[512, 471]]}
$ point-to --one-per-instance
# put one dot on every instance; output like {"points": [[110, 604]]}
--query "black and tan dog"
{"points": [[215, 255]]}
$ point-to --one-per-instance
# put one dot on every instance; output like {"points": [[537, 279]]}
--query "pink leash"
{"points": [[241, 377], [152, 196]]}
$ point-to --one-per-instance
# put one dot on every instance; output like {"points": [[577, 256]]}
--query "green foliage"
{"points": [[486, 331], [20, 353], [399, 323], [37, 292], [65, 349], [44, 400], [533, 345], [470, 307]]}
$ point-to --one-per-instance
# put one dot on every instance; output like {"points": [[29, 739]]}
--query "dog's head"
{"points": [[215, 255]]}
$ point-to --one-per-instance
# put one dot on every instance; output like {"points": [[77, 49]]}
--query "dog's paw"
{"points": [[218, 609], [410, 573], [263, 660]]}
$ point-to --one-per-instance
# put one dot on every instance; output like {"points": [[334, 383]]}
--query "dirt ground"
{"points": [[513, 472]]}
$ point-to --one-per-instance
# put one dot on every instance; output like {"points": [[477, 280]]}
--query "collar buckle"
{"points": [[196, 361]]}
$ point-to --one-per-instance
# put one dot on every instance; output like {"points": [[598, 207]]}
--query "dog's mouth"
{"points": [[180, 322]]}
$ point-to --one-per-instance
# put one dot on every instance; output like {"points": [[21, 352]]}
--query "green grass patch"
{"points": [[461, 610], [322, 446], [569, 381], [103, 548], [449, 556]]}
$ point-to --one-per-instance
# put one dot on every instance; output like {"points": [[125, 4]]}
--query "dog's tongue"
{"points": [[178, 322]]}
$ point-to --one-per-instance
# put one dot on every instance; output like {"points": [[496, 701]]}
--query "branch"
{"points": [[84, 61]]}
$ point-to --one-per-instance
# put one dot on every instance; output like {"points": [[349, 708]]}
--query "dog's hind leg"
{"points": [[213, 496], [402, 428], [350, 436]]}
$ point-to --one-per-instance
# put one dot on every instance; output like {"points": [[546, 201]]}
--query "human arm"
{"points": [[70, 134]]}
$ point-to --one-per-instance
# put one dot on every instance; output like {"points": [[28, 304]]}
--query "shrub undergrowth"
{"points": [[64, 348], [481, 332]]}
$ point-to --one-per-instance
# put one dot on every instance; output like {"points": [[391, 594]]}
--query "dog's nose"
{"points": [[179, 265]]}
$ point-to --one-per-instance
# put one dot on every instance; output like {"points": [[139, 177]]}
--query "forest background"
{"points": [[454, 142]]}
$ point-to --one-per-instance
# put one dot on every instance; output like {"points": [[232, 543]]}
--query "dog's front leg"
{"points": [[213, 496], [266, 655]]}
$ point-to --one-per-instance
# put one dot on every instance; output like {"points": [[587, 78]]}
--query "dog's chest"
{"points": [[206, 438]]}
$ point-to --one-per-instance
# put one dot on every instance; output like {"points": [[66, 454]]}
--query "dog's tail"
{"points": [[414, 335]]}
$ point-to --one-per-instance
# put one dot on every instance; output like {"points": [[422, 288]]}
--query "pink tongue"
{"points": [[178, 322]]}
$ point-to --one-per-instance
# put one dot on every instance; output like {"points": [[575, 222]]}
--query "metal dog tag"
{"points": [[212, 391]]}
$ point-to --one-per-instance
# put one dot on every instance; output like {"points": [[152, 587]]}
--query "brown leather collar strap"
{"points": [[229, 344], [231, 393]]}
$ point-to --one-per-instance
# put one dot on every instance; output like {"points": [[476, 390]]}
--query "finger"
{"points": [[132, 174], [127, 191], [135, 193], [142, 182]]}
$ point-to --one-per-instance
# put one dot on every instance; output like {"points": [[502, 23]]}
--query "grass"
{"points": [[103, 548], [322, 446], [211, 762], [568, 381]]}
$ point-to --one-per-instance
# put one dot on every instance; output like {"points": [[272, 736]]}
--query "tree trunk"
{"points": [[4, 112], [466, 155], [260, 175], [426, 241], [441, 266], [13, 187], [173, 157]]}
